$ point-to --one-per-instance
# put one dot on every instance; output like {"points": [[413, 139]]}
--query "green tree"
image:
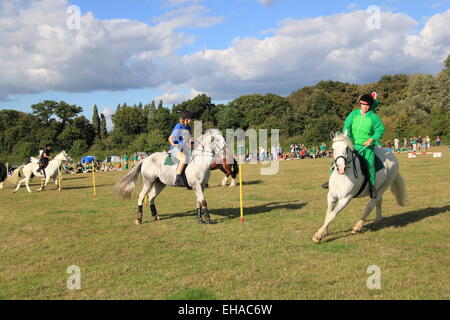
{"points": [[96, 123], [66, 112], [103, 128]]}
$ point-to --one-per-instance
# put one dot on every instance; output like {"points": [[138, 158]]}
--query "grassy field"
{"points": [[270, 256]]}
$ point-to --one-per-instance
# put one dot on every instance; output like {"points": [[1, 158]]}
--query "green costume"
{"points": [[362, 128]]}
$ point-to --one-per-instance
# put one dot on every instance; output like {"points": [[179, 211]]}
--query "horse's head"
{"points": [[63, 156], [212, 141], [341, 146]]}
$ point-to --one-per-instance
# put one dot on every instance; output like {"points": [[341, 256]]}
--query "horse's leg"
{"points": [[225, 172], [154, 192], [360, 223], [202, 206], [27, 184], [333, 210], [142, 195], [18, 186], [379, 214]]}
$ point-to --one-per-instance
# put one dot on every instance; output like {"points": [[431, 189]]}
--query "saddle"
{"points": [[169, 162], [365, 171]]}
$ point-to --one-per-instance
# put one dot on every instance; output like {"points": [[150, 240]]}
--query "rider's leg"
{"points": [[182, 158], [180, 180], [369, 155]]}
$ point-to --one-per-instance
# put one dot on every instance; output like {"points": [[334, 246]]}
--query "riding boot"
{"points": [[179, 181], [325, 185], [373, 192], [199, 216]]}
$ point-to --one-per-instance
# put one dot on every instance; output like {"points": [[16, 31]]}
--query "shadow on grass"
{"points": [[246, 183], [85, 187], [234, 213], [398, 221]]}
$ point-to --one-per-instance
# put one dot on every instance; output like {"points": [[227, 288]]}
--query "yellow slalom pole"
{"points": [[93, 179], [241, 152], [59, 178]]}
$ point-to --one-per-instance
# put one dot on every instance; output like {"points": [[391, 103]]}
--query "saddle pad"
{"points": [[168, 161], [378, 164]]}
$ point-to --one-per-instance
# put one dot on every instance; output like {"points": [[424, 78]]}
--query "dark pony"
{"points": [[3, 174], [228, 169]]}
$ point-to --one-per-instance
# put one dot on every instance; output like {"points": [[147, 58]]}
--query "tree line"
{"points": [[411, 105]]}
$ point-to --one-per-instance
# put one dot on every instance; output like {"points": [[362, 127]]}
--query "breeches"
{"points": [[369, 155]]}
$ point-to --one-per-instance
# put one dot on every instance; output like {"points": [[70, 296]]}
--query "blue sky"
{"points": [[213, 26]]}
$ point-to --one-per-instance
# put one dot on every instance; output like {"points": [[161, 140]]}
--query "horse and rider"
{"points": [[365, 129], [354, 173]]}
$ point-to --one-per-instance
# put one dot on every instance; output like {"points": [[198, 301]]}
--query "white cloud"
{"points": [[108, 116], [39, 53], [171, 97], [303, 52]]}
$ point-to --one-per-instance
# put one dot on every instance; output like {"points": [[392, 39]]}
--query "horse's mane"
{"points": [[339, 136], [213, 132], [218, 143]]}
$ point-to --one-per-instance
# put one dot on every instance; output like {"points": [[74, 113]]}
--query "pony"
{"points": [[3, 174], [157, 174], [344, 184], [222, 163], [31, 169]]}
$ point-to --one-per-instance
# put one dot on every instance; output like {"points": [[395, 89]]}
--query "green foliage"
{"points": [[96, 122], [103, 129], [79, 147], [160, 119], [153, 141], [201, 107], [23, 150]]}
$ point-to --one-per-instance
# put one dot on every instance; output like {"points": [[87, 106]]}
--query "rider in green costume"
{"points": [[365, 129]]}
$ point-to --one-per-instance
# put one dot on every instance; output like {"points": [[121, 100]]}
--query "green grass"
{"points": [[270, 256]]}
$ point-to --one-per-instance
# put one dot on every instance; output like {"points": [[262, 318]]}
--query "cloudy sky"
{"points": [[140, 50]]}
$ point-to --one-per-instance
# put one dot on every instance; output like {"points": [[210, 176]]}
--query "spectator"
{"points": [[438, 141], [428, 140], [397, 144]]}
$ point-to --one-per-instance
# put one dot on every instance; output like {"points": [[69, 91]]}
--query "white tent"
{"points": [[113, 159]]}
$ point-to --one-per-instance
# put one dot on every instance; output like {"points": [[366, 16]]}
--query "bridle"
{"points": [[348, 161], [203, 151]]}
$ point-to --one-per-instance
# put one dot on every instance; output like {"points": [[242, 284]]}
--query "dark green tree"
{"points": [[103, 129], [96, 122]]}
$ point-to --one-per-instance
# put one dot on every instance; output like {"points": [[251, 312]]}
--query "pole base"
{"points": [[242, 220]]}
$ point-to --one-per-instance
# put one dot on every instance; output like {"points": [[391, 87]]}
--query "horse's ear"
{"points": [[346, 133], [332, 135]]}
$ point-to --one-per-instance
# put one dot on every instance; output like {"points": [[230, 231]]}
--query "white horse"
{"points": [[32, 168], [157, 175], [344, 185]]}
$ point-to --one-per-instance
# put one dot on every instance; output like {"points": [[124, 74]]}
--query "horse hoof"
{"points": [[316, 240], [138, 222], [156, 219], [357, 229], [201, 222], [208, 222]]}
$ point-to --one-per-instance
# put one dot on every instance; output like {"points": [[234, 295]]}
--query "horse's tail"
{"points": [[125, 186], [399, 190], [235, 169], [15, 177]]}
